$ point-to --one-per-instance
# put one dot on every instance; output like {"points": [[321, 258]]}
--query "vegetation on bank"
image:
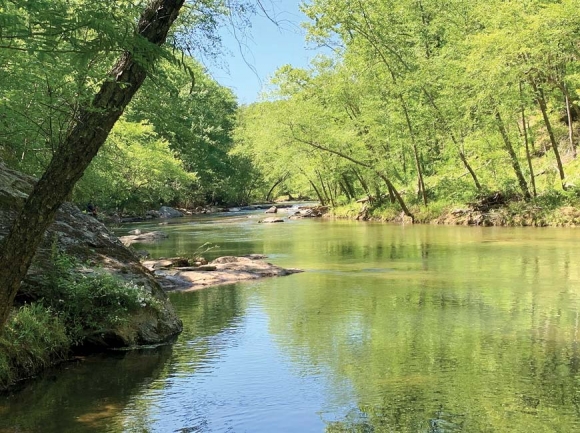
{"points": [[427, 107], [69, 310], [554, 210]]}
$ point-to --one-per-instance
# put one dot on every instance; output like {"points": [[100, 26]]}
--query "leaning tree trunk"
{"points": [[93, 124], [513, 157], [541, 100]]}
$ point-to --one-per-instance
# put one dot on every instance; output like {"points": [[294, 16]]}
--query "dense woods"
{"points": [[426, 105], [422, 106]]}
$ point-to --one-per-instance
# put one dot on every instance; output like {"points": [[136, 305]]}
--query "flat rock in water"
{"points": [[143, 238], [228, 270], [271, 220]]}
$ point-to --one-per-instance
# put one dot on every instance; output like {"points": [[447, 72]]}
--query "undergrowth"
{"points": [[33, 338], [71, 306], [91, 302]]}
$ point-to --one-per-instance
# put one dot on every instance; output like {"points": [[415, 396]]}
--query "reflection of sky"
{"points": [[234, 392], [386, 317]]}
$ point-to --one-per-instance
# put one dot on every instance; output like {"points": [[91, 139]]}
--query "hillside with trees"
{"points": [[436, 109]]}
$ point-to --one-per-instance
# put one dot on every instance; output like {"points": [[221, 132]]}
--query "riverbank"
{"points": [[84, 291], [493, 210]]}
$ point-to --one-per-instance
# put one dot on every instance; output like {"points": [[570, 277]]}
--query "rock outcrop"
{"points": [[82, 236], [223, 270]]}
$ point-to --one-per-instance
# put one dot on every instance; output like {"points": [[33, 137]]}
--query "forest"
{"points": [[426, 106], [423, 107], [420, 111]]}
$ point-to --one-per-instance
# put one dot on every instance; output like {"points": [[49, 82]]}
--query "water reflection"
{"points": [[86, 396], [403, 329]]}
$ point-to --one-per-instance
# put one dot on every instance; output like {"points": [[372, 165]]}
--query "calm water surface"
{"points": [[390, 329]]}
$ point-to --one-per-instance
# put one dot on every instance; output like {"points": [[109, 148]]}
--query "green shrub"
{"points": [[33, 338], [92, 302]]}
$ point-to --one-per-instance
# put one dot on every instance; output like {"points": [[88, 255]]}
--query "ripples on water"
{"points": [[402, 329]]}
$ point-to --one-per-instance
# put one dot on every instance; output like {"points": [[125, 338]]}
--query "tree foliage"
{"points": [[441, 99]]}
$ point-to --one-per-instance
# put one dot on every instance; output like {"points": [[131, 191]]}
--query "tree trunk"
{"points": [[363, 183], [397, 196], [569, 116], [513, 157], [278, 182], [93, 124], [469, 169], [325, 190], [527, 143], [320, 198], [541, 100]]}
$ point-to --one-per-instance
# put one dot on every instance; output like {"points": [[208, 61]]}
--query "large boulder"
{"points": [[169, 212], [85, 238]]}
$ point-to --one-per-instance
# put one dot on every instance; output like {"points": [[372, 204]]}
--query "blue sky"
{"points": [[252, 56]]}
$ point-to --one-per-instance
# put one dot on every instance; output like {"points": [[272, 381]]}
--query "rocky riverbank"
{"points": [[494, 209], [84, 288]]}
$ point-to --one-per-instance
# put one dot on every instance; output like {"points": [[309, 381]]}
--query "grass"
{"points": [[33, 339], [71, 307]]}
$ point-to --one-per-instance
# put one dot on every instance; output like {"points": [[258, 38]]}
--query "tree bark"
{"points": [[92, 126], [513, 157], [278, 182], [527, 143], [541, 100]]}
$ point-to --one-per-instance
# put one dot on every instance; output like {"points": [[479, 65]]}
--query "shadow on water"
{"points": [[84, 396], [92, 395]]}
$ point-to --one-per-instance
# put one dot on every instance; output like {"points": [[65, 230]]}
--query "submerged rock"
{"points": [[271, 220], [143, 237], [84, 238]]}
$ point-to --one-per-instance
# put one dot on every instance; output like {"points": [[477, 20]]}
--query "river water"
{"points": [[390, 329]]}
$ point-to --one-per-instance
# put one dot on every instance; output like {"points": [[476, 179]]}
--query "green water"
{"points": [[390, 329]]}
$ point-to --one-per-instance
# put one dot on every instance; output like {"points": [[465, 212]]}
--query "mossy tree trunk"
{"points": [[92, 126]]}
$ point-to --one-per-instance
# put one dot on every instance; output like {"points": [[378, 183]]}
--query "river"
{"points": [[389, 329]]}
